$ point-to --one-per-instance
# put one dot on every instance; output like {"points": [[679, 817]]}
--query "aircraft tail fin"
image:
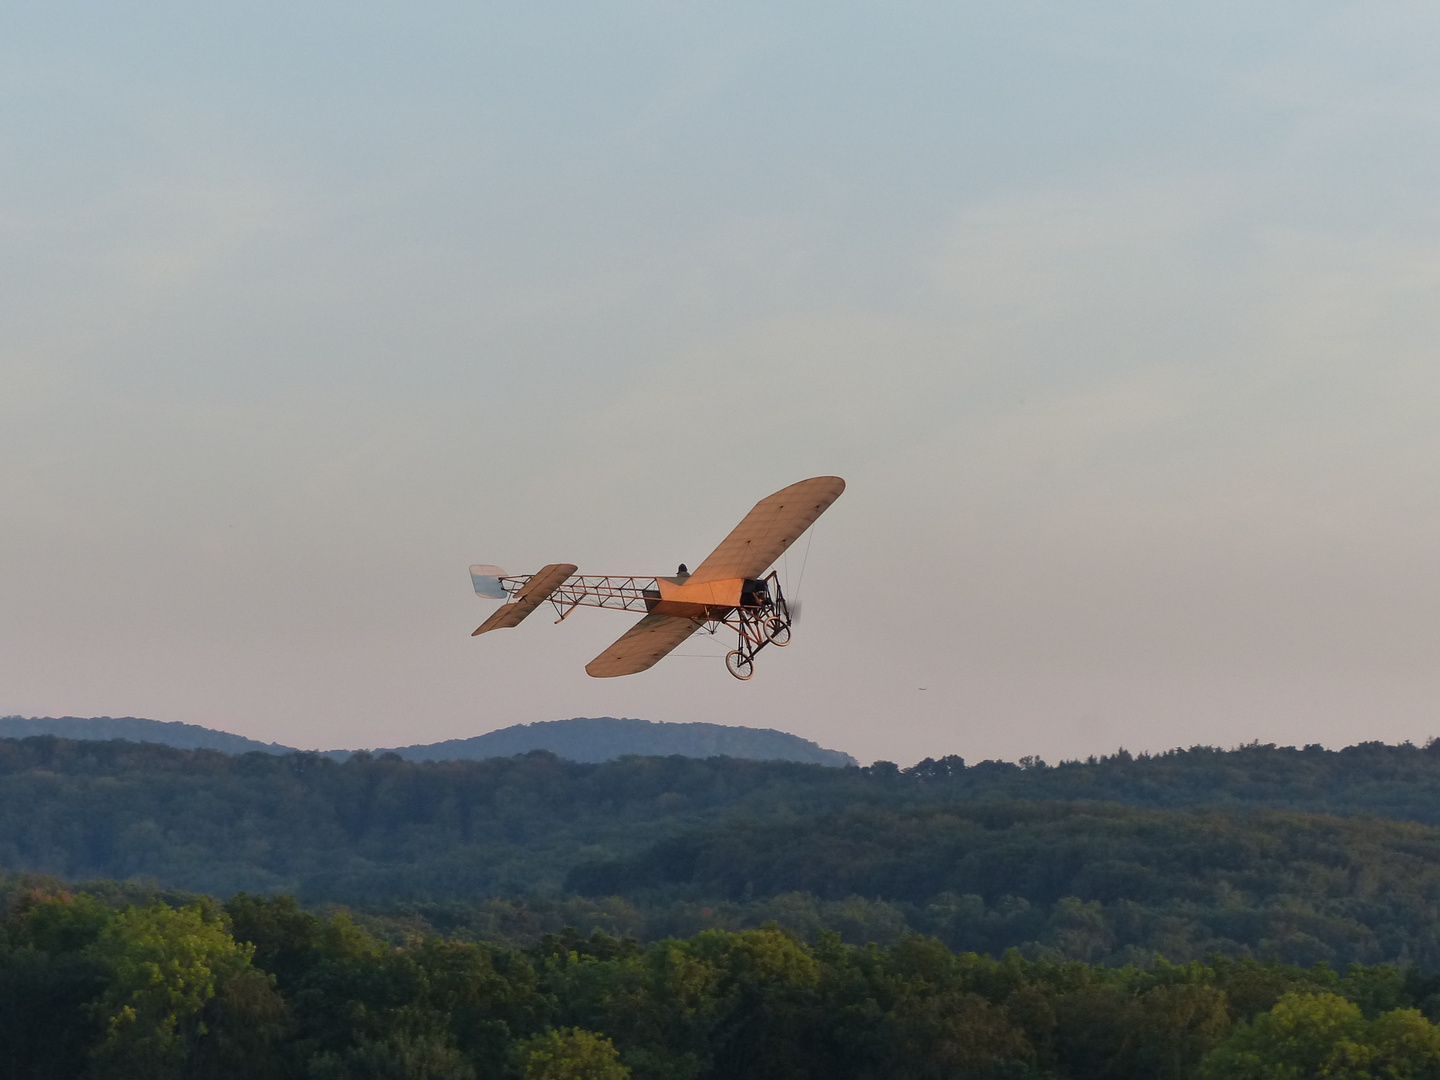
{"points": [[486, 580]]}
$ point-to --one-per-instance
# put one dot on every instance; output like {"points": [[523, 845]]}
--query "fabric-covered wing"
{"points": [[531, 595], [776, 522], [640, 647]]}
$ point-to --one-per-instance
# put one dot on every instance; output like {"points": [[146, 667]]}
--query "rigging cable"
{"points": [[806, 560]]}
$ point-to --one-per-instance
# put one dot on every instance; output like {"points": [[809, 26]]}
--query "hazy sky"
{"points": [[1120, 320]]}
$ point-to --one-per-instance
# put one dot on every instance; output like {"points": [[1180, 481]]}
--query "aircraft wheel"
{"points": [[742, 667], [778, 631]]}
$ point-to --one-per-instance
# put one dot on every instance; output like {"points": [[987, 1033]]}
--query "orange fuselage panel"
{"points": [[698, 600]]}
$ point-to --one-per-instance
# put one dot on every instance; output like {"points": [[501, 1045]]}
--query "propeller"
{"points": [[793, 606]]}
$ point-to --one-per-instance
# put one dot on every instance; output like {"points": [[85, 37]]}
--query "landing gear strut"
{"points": [[764, 622]]}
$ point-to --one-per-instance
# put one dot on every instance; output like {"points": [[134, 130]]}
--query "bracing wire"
{"points": [[806, 560]]}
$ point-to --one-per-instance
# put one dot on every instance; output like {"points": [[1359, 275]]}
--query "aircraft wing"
{"points": [[642, 646], [531, 595], [776, 522]]}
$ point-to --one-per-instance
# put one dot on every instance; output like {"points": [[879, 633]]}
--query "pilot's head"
{"points": [[682, 572]]}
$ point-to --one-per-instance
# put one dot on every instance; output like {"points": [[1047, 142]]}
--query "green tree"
{"points": [[954, 1036], [1324, 1036], [163, 966], [571, 1054], [1179, 1024], [242, 1029], [402, 1055], [766, 1009], [46, 978], [1406, 1045]]}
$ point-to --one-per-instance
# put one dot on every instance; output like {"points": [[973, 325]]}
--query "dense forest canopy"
{"points": [[1091, 881], [1296, 855], [97, 987]]}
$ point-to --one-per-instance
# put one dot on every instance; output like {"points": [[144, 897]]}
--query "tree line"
{"points": [[510, 849], [91, 987], [306, 824], [1089, 881]]}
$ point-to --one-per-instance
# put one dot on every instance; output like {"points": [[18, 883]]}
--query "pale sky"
{"points": [[1120, 320]]}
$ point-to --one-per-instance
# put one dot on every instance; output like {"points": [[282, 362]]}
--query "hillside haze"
{"points": [[605, 738], [136, 729], [582, 739]]}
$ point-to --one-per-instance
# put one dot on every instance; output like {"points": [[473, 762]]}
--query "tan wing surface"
{"points": [[531, 595], [642, 646], [776, 522]]}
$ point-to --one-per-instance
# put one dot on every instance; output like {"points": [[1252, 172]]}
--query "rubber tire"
{"points": [[738, 666]]}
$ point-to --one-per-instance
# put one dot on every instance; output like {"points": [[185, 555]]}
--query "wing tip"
{"points": [[835, 485]]}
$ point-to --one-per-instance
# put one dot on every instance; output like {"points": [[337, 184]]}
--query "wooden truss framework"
{"points": [[734, 587], [764, 621]]}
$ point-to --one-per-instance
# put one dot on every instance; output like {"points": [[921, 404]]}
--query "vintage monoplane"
{"points": [[729, 589]]}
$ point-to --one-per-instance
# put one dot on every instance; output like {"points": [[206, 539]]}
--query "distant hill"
{"points": [[583, 739], [605, 738], [136, 729]]}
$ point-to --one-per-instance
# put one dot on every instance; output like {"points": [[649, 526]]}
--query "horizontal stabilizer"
{"points": [[534, 593]]}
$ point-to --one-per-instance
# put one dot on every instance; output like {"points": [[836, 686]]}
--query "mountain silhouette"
{"points": [[584, 739]]}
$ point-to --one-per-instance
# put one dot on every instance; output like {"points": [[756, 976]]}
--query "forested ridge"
{"points": [[1090, 881], [125, 985], [1263, 912], [1295, 855]]}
